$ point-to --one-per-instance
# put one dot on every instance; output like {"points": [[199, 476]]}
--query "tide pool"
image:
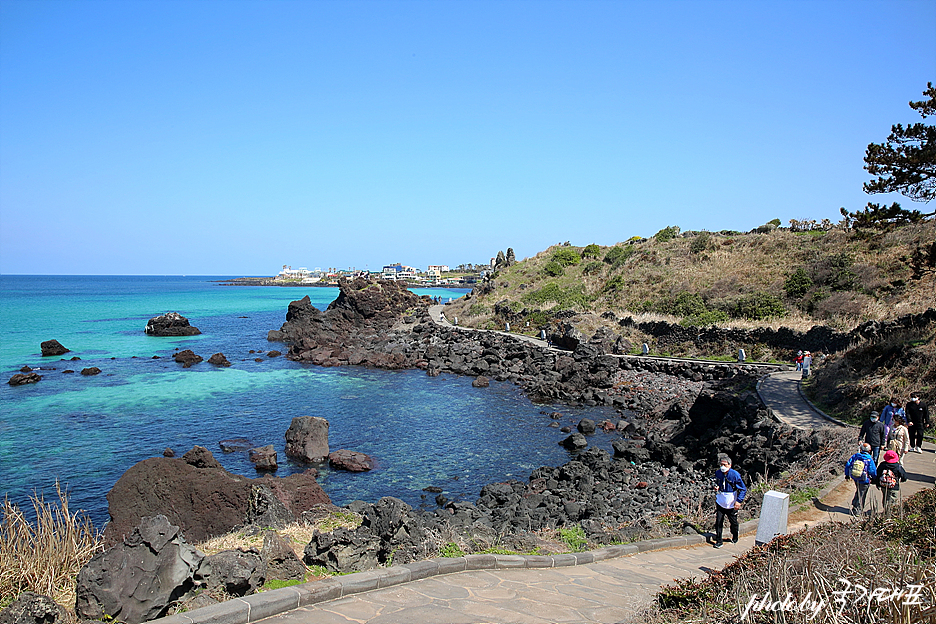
{"points": [[86, 431]]}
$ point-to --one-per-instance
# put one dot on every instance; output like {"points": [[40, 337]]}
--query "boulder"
{"points": [[187, 358], [218, 359], [307, 439], [140, 578], [91, 371], [170, 324], [236, 572], [586, 426], [575, 442], [197, 494], [352, 461], [32, 608], [481, 382], [264, 457], [342, 551], [20, 379], [52, 347], [279, 559], [233, 445]]}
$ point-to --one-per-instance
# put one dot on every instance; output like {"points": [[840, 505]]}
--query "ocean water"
{"points": [[84, 432]]}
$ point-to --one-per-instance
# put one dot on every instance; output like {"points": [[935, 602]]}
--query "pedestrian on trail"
{"points": [[899, 439], [917, 421], [860, 468], [887, 414], [730, 493], [807, 363], [799, 360], [872, 432], [890, 474]]}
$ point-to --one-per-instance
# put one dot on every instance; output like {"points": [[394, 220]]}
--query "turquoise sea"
{"points": [[86, 431]]}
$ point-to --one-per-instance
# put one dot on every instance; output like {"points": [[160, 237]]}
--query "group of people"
{"points": [[803, 362], [898, 431]]}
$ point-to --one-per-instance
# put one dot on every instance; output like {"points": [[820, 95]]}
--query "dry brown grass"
{"points": [[44, 557]]}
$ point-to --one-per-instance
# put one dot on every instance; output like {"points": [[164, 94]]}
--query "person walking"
{"points": [[807, 363], [917, 421], [730, 493], [890, 474], [887, 414], [799, 360], [872, 432], [899, 439], [860, 468]]}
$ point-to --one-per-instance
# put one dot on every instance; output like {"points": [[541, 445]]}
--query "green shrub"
{"points": [[592, 268], [553, 293], [566, 257], [615, 284], [667, 234], [685, 303], [797, 284], [574, 537], [538, 319], [553, 269], [759, 306], [451, 550], [774, 222], [701, 243], [705, 319], [618, 255], [591, 251], [478, 309]]}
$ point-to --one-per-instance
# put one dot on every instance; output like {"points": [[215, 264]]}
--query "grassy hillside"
{"points": [[834, 277]]}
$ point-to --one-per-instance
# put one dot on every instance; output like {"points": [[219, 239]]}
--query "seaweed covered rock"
{"points": [[170, 324]]}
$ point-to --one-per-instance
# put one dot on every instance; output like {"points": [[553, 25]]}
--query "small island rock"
{"points": [[352, 461], [52, 347], [170, 324]]}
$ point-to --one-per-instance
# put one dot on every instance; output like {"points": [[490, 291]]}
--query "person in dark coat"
{"points": [[917, 421], [872, 433], [888, 485]]}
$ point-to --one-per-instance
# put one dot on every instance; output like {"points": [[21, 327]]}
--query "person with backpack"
{"points": [[730, 495], [917, 421], [890, 474], [860, 468], [872, 432]]}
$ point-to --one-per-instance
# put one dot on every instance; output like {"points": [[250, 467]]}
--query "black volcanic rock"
{"points": [[52, 347], [170, 324]]}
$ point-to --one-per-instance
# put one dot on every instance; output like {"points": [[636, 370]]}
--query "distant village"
{"points": [[434, 275]]}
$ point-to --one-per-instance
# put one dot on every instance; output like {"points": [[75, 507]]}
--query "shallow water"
{"points": [[86, 431]]}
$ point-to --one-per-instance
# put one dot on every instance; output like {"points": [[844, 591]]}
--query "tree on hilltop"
{"points": [[905, 164]]}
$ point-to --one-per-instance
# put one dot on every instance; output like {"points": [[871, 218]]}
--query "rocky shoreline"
{"points": [[675, 419]]}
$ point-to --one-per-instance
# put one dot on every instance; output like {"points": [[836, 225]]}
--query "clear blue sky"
{"points": [[232, 137]]}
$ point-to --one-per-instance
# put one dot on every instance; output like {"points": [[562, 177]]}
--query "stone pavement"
{"points": [[610, 585]]}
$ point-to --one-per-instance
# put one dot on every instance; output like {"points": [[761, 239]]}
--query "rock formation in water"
{"points": [[170, 324], [200, 496], [52, 347]]}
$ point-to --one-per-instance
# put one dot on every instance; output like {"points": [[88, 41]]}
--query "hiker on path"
{"points": [[799, 360], [890, 474], [730, 495], [872, 432], [860, 468], [899, 439], [807, 363], [917, 421], [887, 414]]}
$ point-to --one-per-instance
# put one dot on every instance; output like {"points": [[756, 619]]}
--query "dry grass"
{"points": [[44, 557]]}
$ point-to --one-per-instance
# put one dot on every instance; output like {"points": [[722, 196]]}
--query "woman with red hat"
{"points": [[890, 474]]}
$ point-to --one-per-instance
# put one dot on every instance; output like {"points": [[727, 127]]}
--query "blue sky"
{"points": [[232, 137]]}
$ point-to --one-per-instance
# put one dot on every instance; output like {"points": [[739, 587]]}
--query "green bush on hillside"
{"points": [[705, 319], [618, 255], [759, 306], [566, 257], [591, 251], [684, 303], [798, 283], [592, 268], [701, 243], [553, 293], [553, 269], [667, 234]]}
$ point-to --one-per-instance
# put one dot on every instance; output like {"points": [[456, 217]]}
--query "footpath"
{"points": [[609, 585]]}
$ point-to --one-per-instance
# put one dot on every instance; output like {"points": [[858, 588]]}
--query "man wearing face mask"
{"points": [[872, 433], [728, 499]]}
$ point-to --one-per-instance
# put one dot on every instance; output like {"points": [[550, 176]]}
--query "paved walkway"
{"points": [[539, 590]]}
